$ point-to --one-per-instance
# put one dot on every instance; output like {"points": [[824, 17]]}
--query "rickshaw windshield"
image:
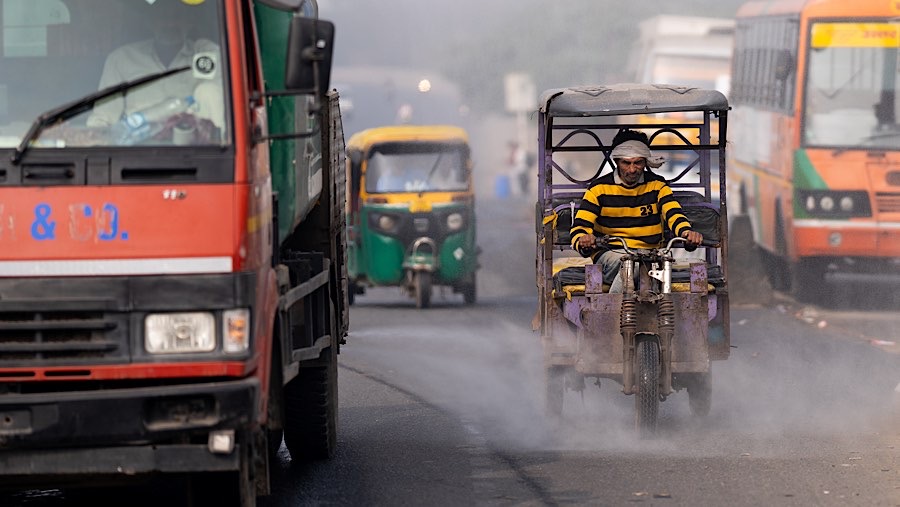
{"points": [[422, 167]]}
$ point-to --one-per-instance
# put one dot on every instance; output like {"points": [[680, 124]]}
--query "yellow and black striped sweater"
{"points": [[609, 208]]}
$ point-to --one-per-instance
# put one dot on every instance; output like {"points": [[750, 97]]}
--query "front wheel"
{"points": [[422, 287], [311, 404], [646, 401]]}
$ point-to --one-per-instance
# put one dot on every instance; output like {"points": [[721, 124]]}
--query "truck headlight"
{"points": [[236, 330], [176, 333]]}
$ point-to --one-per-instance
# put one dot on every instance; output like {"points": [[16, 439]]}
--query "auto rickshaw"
{"points": [[660, 335], [412, 211]]}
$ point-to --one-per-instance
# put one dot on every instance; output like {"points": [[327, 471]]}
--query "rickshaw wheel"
{"points": [[646, 401], [469, 293], [422, 281], [700, 394], [556, 388]]}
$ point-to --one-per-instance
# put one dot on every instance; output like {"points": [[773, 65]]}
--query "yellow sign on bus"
{"points": [[855, 35]]}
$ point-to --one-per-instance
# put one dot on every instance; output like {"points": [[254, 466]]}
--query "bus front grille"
{"points": [[888, 202]]}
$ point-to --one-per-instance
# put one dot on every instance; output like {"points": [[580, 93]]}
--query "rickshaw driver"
{"points": [[631, 202]]}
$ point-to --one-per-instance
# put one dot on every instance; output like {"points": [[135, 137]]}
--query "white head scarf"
{"points": [[637, 149]]}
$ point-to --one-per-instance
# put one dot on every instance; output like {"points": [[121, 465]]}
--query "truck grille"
{"points": [[45, 338]]}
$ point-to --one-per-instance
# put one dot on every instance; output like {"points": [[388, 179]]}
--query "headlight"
{"points": [[386, 222], [454, 221], [834, 204], [846, 203], [236, 330], [175, 333]]}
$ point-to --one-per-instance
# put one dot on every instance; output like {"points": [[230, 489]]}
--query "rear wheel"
{"points": [[556, 388], [469, 292], [646, 401], [311, 400], [422, 287], [700, 393]]}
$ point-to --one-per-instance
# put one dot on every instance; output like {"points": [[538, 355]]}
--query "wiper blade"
{"points": [[78, 106]]}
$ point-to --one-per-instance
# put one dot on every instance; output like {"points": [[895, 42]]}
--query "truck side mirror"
{"points": [[310, 46]]}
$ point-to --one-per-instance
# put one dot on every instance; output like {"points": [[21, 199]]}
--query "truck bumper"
{"points": [[123, 431]]}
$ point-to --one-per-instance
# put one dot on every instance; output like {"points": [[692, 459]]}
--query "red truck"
{"points": [[173, 290]]}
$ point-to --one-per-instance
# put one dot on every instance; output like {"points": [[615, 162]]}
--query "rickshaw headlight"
{"points": [[386, 222], [454, 221], [827, 203]]}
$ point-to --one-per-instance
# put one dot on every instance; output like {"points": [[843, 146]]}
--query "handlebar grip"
{"points": [[706, 242]]}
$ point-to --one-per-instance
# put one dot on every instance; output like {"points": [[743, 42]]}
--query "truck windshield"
{"points": [[54, 52]]}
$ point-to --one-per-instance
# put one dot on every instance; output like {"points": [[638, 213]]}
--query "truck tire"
{"points": [[311, 402], [225, 489]]}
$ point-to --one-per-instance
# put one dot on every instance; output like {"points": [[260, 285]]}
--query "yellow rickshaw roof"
{"points": [[399, 133]]}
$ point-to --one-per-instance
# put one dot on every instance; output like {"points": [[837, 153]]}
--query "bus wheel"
{"points": [[748, 278], [808, 282]]}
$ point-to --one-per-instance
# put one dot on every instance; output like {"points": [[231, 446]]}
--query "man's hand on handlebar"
{"points": [[587, 242], [693, 238]]}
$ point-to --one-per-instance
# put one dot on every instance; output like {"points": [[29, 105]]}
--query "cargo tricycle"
{"points": [[661, 333]]}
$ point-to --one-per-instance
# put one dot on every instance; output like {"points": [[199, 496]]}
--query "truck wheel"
{"points": [[422, 286], [646, 400], [556, 390], [225, 489], [311, 399], [700, 393]]}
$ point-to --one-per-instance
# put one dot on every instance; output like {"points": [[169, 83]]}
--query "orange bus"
{"points": [[815, 163]]}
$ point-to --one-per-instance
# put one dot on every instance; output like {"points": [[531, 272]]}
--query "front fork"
{"points": [[665, 323], [418, 261]]}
